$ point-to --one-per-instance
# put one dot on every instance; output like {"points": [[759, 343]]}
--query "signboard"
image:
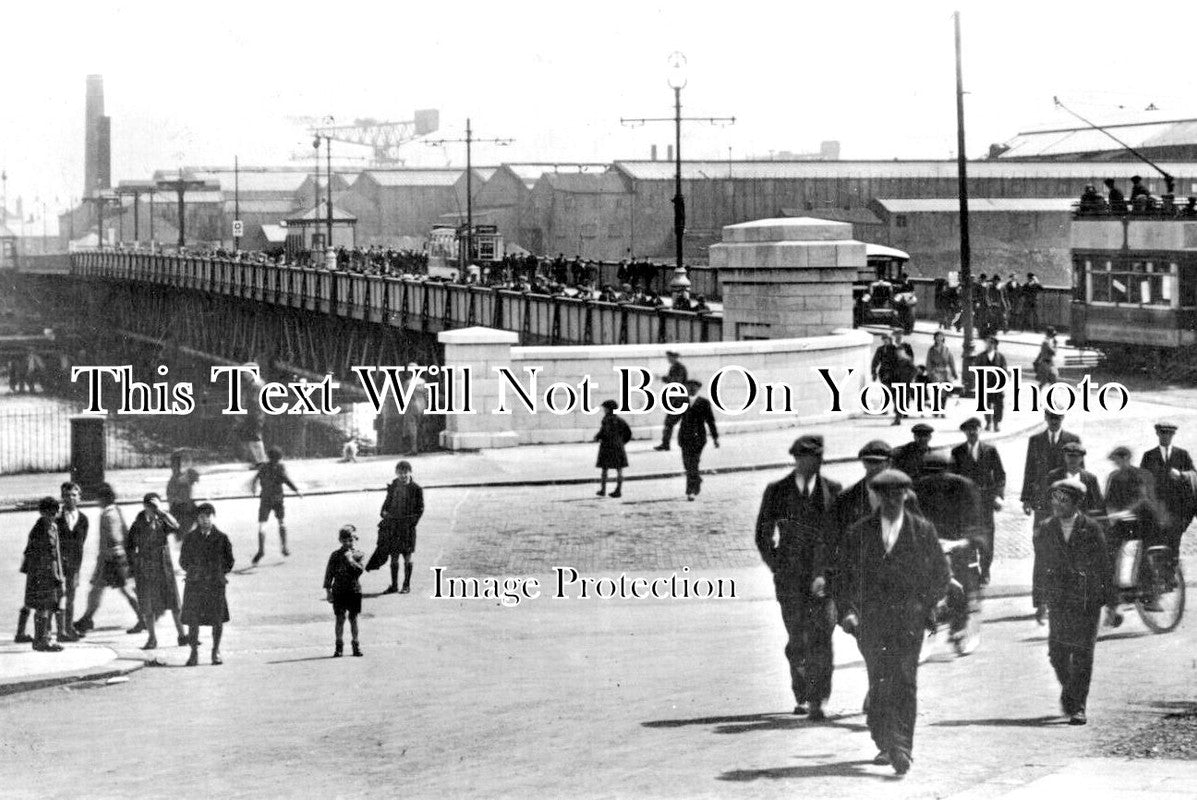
{"points": [[238, 228]]}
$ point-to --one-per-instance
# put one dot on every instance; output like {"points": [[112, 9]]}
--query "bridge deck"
{"points": [[417, 305]]}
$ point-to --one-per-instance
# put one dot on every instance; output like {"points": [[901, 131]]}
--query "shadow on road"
{"points": [[844, 769], [1003, 722], [298, 660], [751, 723]]}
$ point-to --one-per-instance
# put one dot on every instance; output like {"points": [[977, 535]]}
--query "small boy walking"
{"points": [[343, 589], [273, 476], [612, 435]]}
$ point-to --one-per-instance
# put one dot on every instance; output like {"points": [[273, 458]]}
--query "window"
{"points": [[1134, 282], [900, 221]]}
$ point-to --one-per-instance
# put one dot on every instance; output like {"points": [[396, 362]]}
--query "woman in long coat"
{"points": [[612, 435], [1045, 362], [149, 553], [207, 557], [941, 366], [44, 581]]}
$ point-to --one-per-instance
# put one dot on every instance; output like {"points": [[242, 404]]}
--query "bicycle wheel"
{"points": [[1171, 605]]}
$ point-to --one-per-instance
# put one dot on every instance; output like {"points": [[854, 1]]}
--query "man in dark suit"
{"points": [[981, 464], [855, 504], [952, 504], [1166, 463], [1045, 452], [676, 374], [792, 531], [696, 420], [1072, 581], [894, 573], [72, 533], [1074, 458], [893, 366], [995, 401], [909, 457]]}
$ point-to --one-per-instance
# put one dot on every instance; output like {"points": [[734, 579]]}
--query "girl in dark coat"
{"points": [[612, 435], [149, 553], [44, 581], [207, 556]]}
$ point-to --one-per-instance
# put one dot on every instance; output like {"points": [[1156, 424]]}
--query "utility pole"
{"points": [[467, 254], [236, 204], [966, 271], [677, 81]]}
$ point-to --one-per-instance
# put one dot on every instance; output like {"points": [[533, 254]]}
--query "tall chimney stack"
{"points": [[97, 156], [653, 153]]}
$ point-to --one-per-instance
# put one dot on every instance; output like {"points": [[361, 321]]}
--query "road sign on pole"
{"points": [[238, 228]]}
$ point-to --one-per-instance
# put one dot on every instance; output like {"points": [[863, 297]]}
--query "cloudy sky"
{"points": [[218, 79]]}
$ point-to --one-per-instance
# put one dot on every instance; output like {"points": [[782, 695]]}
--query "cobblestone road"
{"points": [[653, 527]]}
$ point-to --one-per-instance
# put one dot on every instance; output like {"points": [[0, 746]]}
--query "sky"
{"points": [[210, 81]]}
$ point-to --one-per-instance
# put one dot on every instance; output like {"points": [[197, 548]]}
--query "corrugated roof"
{"points": [[856, 215], [414, 177], [188, 198], [585, 183], [926, 170], [976, 204], [280, 206], [530, 173], [278, 182], [1075, 141], [321, 212]]}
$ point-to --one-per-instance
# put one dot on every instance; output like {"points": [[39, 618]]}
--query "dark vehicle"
{"points": [[877, 287]]}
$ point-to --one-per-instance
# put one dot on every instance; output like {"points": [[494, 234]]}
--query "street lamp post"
{"points": [[677, 81]]}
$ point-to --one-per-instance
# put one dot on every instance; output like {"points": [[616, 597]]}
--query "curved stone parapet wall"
{"points": [[792, 362]]}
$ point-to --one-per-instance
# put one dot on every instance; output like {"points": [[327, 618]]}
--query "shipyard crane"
{"points": [[385, 138]]}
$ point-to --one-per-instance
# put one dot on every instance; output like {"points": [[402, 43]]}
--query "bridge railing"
{"points": [[427, 306]]}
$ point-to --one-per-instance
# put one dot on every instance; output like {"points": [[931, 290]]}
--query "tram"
{"points": [[1135, 290], [445, 243]]}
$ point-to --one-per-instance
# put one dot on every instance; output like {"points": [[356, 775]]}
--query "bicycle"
{"points": [[1149, 578]]}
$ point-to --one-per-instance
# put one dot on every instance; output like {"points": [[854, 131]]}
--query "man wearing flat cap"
{"points": [[893, 575], [676, 374], [981, 464], [1045, 452], [952, 503], [1074, 458], [909, 457], [793, 529], [996, 400], [692, 429], [1167, 465], [1072, 580]]}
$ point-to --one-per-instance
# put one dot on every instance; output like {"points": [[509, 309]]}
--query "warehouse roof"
{"points": [[976, 204], [1059, 142], [926, 170], [414, 177]]}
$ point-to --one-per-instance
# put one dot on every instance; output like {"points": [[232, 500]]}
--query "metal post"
{"points": [[136, 219], [236, 200], [182, 216], [328, 186], [152, 218], [966, 274], [467, 258], [679, 202]]}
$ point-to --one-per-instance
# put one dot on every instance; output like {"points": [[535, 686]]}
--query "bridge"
{"points": [[317, 321]]}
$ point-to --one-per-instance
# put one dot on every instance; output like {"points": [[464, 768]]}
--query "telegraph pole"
{"points": [[677, 81], [966, 271], [467, 252]]}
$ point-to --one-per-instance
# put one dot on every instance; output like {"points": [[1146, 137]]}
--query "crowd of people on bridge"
{"points": [[1142, 202], [998, 305]]}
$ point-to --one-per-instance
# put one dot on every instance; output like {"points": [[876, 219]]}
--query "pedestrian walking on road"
{"points": [[995, 401], [982, 464], [401, 512], [677, 374], [273, 477], [179, 493], [793, 529], [1045, 362], [612, 435], [894, 575], [112, 562], [695, 421], [1071, 583], [72, 533], [149, 552], [1045, 452], [207, 557], [1074, 457], [343, 588], [44, 582], [909, 457], [413, 413], [1171, 467]]}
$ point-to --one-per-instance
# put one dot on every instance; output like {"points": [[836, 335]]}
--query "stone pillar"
{"points": [[87, 454], [479, 350], [787, 278]]}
